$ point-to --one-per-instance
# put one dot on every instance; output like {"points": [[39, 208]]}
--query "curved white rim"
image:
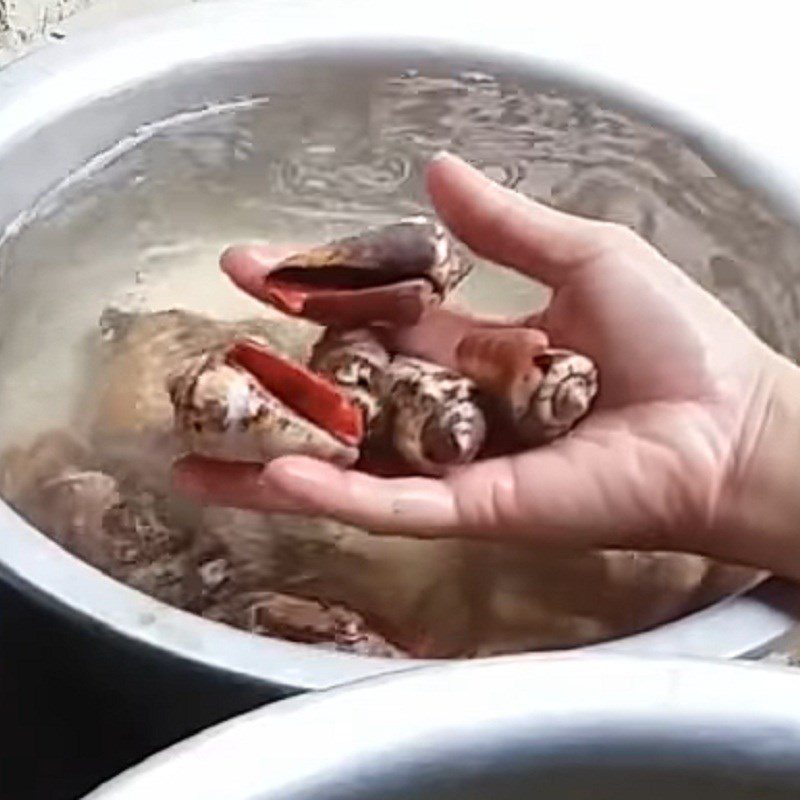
{"points": [[47, 83], [546, 697]]}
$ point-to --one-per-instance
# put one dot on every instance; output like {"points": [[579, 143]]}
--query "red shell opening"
{"points": [[399, 304], [305, 392]]}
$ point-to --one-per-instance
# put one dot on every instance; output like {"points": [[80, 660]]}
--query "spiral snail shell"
{"points": [[565, 395], [543, 391], [437, 422], [502, 362], [247, 403], [356, 361]]}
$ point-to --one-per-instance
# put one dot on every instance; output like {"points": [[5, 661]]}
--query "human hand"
{"points": [[664, 460]]}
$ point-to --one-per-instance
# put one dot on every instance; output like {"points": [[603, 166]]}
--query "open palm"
{"points": [[684, 390]]}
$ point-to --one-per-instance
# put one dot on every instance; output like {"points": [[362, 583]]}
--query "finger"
{"points": [[296, 484], [438, 333], [506, 227], [299, 485], [247, 265], [415, 506], [577, 493], [223, 483]]}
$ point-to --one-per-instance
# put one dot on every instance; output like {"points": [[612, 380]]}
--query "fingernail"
{"points": [[441, 155]]}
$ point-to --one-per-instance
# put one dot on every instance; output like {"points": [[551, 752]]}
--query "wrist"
{"points": [[763, 523]]}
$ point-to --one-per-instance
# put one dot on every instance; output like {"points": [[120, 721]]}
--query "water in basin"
{"points": [[143, 227]]}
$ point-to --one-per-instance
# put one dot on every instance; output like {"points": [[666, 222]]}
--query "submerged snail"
{"points": [[544, 391], [388, 274], [248, 403]]}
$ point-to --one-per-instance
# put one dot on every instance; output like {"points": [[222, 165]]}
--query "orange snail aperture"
{"points": [[422, 412], [389, 274], [310, 394], [248, 403], [502, 362]]}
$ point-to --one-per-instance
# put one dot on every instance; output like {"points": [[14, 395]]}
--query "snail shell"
{"points": [[356, 361], [223, 411], [308, 620], [383, 275], [569, 386], [544, 391], [437, 422]]}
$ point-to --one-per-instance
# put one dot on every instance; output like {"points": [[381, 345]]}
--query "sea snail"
{"points": [[356, 361], [248, 403], [543, 391], [389, 274], [424, 413], [436, 420]]}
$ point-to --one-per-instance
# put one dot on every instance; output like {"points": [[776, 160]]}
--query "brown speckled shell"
{"points": [[128, 407], [222, 412], [565, 395], [544, 391], [414, 247], [302, 619], [356, 361], [437, 422]]}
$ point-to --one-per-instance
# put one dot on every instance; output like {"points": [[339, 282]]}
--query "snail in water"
{"points": [[543, 391], [389, 275]]}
